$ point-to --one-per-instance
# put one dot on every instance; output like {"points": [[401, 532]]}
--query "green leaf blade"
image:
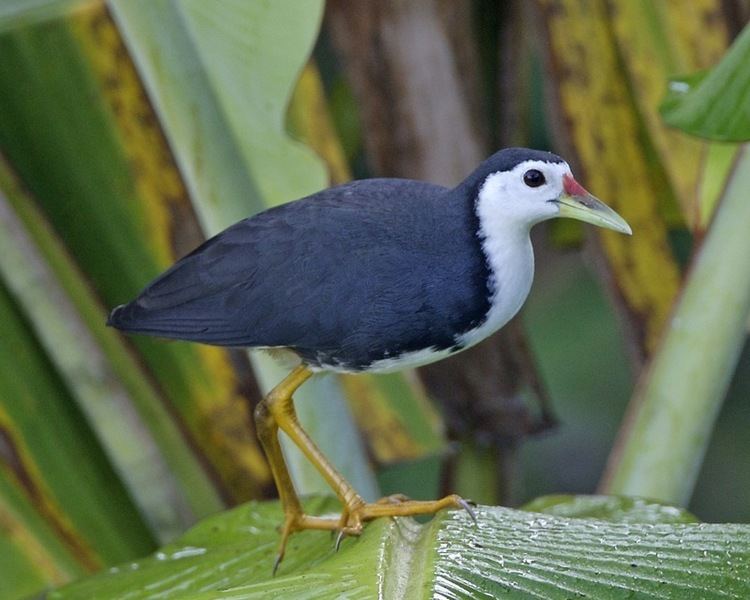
{"points": [[524, 555], [715, 105], [510, 554], [53, 456]]}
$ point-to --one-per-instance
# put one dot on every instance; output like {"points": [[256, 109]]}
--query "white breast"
{"points": [[512, 266]]}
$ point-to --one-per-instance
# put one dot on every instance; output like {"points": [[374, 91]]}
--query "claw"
{"points": [[467, 506], [298, 521], [276, 563], [339, 539]]}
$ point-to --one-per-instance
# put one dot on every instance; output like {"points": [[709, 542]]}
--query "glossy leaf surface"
{"points": [[511, 554]]}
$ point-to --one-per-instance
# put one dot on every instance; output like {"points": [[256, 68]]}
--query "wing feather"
{"points": [[343, 276]]}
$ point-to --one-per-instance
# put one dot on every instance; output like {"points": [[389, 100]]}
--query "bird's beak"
{"points": [[575, 202]]}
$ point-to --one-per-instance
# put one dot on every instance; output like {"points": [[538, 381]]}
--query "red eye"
{"points": [[534, 178]]}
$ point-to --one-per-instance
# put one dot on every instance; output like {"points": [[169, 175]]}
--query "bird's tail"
{"points": [[133, 318], [191, 324]]}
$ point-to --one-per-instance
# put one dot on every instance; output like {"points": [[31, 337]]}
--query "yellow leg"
{"points": [[277, 411], [267, 430], [282, 408]]}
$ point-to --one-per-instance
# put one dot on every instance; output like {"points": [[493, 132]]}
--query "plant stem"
{"points": [[662, 443]]}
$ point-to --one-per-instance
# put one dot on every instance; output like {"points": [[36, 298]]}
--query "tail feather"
{"points": [[133, 318]]}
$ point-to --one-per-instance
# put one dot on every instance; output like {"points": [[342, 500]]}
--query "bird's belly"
{"points": [[408, 360]]}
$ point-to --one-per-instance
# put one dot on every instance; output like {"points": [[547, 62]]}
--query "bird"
{"points": [[375, 275]]}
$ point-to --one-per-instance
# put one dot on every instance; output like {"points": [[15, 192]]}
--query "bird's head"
{"points": [[522, 187]]}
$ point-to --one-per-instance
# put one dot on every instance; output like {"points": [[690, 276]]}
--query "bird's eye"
{"points": [[534, 178]]}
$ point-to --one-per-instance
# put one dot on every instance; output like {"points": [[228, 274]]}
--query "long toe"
{"points": [[396, 506]]}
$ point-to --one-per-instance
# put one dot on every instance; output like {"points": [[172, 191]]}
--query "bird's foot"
{"points": [[358, 512], [298, 521], [354, 517]]}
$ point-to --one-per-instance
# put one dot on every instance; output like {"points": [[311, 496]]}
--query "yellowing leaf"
{"points": [[656, 41], [606, 134]]}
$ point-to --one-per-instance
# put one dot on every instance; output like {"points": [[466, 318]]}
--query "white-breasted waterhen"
{"points": [[375, 275]]}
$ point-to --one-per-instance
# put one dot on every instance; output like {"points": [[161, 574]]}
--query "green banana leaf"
{"points": [[88, 428], [81, 137], [52, 459], [509, 554], [32, 555], [160, 471]]}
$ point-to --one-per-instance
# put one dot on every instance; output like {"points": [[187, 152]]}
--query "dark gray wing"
{"points": [[348, 275]]}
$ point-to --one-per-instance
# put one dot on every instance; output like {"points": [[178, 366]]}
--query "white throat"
{"points": [[510, 257]]}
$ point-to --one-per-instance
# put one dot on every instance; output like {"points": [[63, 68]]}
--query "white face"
{"points": [[521, 197]]}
